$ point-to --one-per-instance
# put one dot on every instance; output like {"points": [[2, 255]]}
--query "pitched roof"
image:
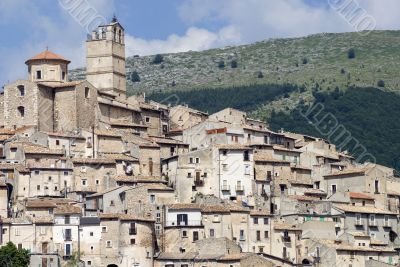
{"points": [[285, 226], [363, 209], [234, 147], [352, 172], [357, 195], [92, 161], [47, 55], [120, 157], [67, 209], [125, 217]]}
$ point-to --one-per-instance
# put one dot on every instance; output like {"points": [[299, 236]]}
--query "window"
{"points": [[189, 175], [152, 199], [37, 172], [258, 235], [195, 236], [260, 249], [67, 219], [241, 235], [89, 262], [68, 235], [21, 90], [66, 173], [109, 244], [112, 203], [84, 182], [205, 175], [87, 92], [147, 119], [39, 74], [133, 241], [255, 220], [63, 76], [197, 160], [376, 187], [333, 189], [104, 229], [158, 217], [247, 169], [212, 232], [266, 234], [68, 249], [49, 178], [91, 233], [17, 232], [224, 152], [190, 160], [266, 220], [246, 156], [97, 182], [225, 167], [57, 142], [184, 233], [21, 111]]}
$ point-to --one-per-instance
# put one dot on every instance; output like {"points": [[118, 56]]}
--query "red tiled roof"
{"points": [[357, 195], [47, 55]]}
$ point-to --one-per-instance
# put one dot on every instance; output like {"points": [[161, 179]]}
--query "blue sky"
{"points": [[27, 27]]}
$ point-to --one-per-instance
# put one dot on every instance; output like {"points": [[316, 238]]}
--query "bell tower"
{"points": [[105, 58]]}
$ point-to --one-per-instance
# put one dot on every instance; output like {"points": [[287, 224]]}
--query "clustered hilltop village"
{"points": [[90, 174]]}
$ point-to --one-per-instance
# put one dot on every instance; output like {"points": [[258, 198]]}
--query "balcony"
{"points": [[239, 188], [199, 182], [358, 223], [183, 223], [372, 223], [286, 239], [226, 188], [132, 231], [387, 224], [68, 238], [242, 238]]}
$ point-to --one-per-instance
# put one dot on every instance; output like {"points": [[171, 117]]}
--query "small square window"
{"points": [[91, 233], [133, 241], [57, 142]]}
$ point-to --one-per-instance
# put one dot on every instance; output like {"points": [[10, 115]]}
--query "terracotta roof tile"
{"points": [[357, 195], [285, 226], [89, 161], [47, 55], [67, 209]]}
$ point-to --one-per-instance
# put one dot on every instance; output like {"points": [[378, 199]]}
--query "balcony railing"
{"points": [[183, 223], [286, 239], [358, 223], [371, 223], [239, 188], [226, 188], [387, 224], [132, 231], [68, 238]]}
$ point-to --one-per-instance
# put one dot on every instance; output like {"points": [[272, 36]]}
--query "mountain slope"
{"points": [[317, 60]]}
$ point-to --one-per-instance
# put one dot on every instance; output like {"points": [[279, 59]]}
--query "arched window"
{"points": [[21, 111], [120, 36], [21, 90], [115, 35]]}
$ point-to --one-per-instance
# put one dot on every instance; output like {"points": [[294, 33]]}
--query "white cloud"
{"points": [[194, 39]]}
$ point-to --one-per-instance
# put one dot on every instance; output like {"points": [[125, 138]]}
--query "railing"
{"points": [[240, 188], [226, 188], [358, 222], [387, 224], [371, 223], [132, 231], [183, 223], [286, 239]]}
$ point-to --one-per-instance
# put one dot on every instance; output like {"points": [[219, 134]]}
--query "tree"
{"points": [[351, 53], [10, 256], [74, 260], [381, 83], [158, 59], [305, 61], [234, 64], [135, 77], [221, 64], [260, 75]]}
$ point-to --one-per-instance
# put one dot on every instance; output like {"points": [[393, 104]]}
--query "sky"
{"points": [[28, 27]]}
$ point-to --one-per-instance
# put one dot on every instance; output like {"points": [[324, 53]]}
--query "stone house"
{"points": [[339, 253], [260, 229], [287, 241], [182, 117], [380, 224], [126, 240], [66, 230], [90, 236], [91, 175]]}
